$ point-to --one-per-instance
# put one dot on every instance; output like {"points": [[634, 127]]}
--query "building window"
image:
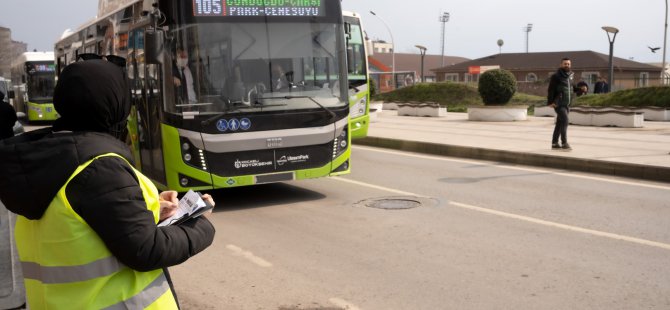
{"points": [[531, 77], [644, 79], [452, 77]]}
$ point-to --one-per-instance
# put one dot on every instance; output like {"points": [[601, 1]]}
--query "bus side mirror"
{"points": [[11, 94], [154, 46], [347, 30]]}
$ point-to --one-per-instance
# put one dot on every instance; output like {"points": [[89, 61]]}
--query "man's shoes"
{"points": [[566, 147], [555, 146]]}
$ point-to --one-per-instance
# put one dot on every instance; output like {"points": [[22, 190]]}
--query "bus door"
{"points": [[148, 102]]}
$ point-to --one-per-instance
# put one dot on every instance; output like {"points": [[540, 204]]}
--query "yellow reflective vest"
{"points": [[67, 266]]}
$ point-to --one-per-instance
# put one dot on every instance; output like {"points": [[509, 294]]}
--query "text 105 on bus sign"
{"points": [[258, 8]]}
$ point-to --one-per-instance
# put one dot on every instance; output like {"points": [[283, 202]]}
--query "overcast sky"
{"points": [[473, 29]]}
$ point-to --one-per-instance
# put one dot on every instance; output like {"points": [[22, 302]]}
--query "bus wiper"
{"points": [[332, 114]]}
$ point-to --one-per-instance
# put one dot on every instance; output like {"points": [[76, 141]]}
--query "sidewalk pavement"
{"points": [[642, 153]]}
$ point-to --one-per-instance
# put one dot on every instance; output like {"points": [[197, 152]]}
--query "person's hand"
{"points": [[177, 81], [208, 198], [169, 204], [553, 105]]}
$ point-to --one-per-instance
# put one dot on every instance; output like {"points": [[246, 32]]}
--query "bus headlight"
{"points": [[359, 108], [192, 155], [341, 143]]}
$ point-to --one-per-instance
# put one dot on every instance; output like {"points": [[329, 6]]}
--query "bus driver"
{"points": [[183, 78]]}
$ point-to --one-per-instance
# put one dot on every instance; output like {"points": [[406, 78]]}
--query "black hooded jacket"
{"points": [[7, 118], [36, 165]]}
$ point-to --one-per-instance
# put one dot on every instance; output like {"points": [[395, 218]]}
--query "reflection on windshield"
{"points": [[41, 87], [255, 67]]}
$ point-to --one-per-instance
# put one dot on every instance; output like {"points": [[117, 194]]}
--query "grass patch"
{"points": [[455, 96], [658, 96]]}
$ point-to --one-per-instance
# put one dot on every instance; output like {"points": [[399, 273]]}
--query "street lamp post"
{"points": [[392, 48], [422, 50], [611, 30], [665, 37], [444, 18], [527, 30]]}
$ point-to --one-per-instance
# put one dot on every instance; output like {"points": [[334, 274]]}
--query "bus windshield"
{"points": [[41, 82], [256, 66], [356, 52]]}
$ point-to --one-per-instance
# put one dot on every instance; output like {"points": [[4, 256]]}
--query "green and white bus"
{"points": [[33, 77], [225, 92], [359, 79]]}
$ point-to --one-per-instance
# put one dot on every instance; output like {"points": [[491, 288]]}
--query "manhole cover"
{"points": [[396, 203]]}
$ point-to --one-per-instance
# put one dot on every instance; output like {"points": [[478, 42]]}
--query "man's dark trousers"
{"points": [[561, 129]]}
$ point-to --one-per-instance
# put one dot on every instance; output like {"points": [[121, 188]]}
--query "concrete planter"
{"points": [[606, 118], [390, 106], [650, 113], [422, 109], [375, 109], [544, 110], [506, 113]]}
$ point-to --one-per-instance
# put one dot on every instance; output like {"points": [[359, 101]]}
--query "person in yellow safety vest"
{"points": [[87, 233]]}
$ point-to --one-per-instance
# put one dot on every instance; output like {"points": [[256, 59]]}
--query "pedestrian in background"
{"points": [[87, 232], [582, 88], [7, 118], [559, 96], [601, 86]]}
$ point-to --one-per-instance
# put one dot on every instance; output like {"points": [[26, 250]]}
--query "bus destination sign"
{"points": [[33, 68], [280, 8]]}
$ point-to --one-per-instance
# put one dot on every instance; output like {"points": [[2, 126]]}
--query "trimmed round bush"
{"points": [[496, 87]]}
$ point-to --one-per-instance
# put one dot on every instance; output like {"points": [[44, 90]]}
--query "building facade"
{"points": [[532, 70], [9, 50]]}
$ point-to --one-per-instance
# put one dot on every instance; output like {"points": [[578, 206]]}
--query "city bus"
{"points": [[227, 93], [359, 79], [33, 77]]}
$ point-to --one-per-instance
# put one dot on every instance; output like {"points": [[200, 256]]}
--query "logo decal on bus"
{"points": [[222, 125], [292, 159], [245, 124], [234, 124], [251, 163]]}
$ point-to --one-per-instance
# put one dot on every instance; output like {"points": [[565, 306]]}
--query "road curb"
{"points": [[637, 171]]}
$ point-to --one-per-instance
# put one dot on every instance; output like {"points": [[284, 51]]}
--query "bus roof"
{"points": [[105, 9], [35, 56], [351, 14]]}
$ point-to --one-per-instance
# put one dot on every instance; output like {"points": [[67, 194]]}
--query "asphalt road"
{"points": [[478, 235]]}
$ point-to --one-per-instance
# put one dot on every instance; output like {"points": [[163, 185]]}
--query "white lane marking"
{"points": [[343, 304], [524, 218], [563, 226], [375, 186], [248, 255], [466, 161]]}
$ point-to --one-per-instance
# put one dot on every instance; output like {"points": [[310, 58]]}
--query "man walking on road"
{"points": [[559, 97]]}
